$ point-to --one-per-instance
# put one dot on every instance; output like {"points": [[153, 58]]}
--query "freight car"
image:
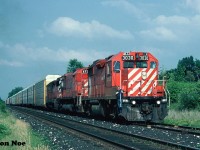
{"points": [[122, 85], [34, 95]]}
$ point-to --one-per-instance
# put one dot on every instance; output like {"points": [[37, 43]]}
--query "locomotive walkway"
{"points": [[113, 137]]}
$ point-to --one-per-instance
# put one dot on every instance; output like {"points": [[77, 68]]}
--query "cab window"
{"points": [[108, 70], [153, 64], [116, 66], [141, 64], [128, 64]]}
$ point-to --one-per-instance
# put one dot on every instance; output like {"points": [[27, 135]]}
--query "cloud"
{"points": [[177, 20], [164, 20], [172, 28], [194, 4], [125, 5], [68, 27], [195, 20], [4, 62], [19, 55], [159, 33]]}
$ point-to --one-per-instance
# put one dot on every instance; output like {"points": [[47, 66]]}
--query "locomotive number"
{"points": [[85, 71], [145, 57], [127, 57]]}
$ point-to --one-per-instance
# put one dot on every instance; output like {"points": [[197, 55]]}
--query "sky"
{"points": [[39, 37]]}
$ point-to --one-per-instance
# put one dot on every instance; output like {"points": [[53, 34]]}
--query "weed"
{"points": [[184, 118]]}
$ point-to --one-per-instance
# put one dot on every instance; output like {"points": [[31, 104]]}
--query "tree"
{"points": [[197, 69], [73, 65], [14, 91], [189, 76], [187, 70], [2, 106], [180, 72]]}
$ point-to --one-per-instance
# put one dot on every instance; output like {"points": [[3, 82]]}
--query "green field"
{"points": [[12, 130]]}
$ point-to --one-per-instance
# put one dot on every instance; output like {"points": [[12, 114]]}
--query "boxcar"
{"points": [[40, 91], [30, 92], [25, 96]]}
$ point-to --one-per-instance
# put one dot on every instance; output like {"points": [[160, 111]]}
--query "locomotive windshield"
{"points": [[153, 64], [128, 64], [141, 64]]}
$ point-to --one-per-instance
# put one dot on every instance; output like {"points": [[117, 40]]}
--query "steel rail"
{"points": [[169, 127], [177, 126]]}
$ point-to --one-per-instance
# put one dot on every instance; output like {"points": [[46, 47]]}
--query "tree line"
{"points": [[188, 70], [184, 84]]}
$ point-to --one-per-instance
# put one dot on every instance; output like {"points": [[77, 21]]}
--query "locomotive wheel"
{"points": [[88, 112], [87, 109], [104, 109]]}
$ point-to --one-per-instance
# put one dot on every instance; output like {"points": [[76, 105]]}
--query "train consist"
{"points": [[125, 85]]}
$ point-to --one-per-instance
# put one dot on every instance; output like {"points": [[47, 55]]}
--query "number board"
{"points": [[85, 71], [144, 57], [127, 57]]}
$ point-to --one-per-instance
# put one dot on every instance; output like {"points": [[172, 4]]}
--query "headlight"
{"points": [[158, 102], [125, 100], [164, 100], [133, 102], [144, 75]]}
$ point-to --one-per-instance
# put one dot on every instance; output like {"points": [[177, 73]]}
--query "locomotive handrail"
{"points": [[166, 92], [169, 97]]}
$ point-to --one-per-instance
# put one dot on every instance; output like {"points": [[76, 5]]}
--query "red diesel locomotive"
{"points": [[68, 91], [143, 97]]}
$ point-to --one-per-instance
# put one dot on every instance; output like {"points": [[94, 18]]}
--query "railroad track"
{"points": [[114, 137], [181, 127], [175, 128]]}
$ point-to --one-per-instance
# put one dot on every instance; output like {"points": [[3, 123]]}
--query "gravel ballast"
{"points": [[68, 141], [58, 138]]}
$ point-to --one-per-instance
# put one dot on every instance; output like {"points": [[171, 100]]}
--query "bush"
{"points": [[2, 106], [184, 95], [4, 130], [189, 100], [173, 89]]}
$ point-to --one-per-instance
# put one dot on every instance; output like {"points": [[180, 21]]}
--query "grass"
{"points": [[12, 129], [183, 118]]}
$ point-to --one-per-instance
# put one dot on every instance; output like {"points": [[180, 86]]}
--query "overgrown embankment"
{"points": [[183, 118], [185, 103], [16, 134]]}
